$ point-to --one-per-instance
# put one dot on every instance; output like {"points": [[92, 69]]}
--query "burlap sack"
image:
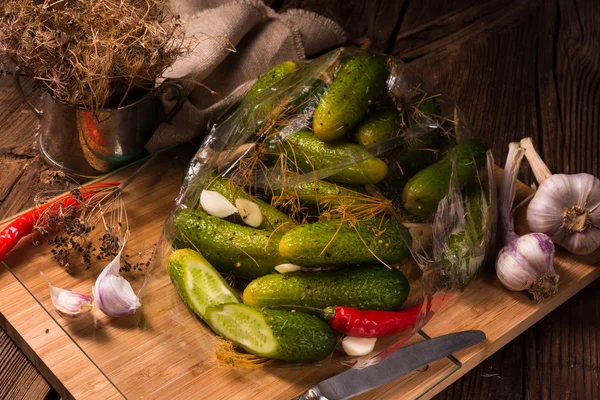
{"points": [[239, 40]]}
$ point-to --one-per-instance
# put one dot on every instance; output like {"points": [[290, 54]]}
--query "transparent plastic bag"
{"points": [[405, 158]]}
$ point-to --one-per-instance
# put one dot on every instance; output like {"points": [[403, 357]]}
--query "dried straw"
{"points": [[91, 53]]}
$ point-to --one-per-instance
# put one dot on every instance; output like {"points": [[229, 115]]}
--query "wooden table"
{"points": [[516, 68]]}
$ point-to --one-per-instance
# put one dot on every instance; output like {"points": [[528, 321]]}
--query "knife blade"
{"points": [[356, 381]]}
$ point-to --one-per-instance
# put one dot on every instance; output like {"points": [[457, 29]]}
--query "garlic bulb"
{"points": [[565, 207], [112, 293], [69, 304], [526, 262]]}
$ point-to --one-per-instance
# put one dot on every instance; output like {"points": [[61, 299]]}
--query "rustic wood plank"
{"points": [[18, 377], [370, 24]]}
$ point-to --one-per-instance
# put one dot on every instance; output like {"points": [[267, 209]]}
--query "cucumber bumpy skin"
{"points": [[269, 78], [365, 287], [378, 127], [282, 335], [336, 243], [198, 283], [273, 218], [231, 248], [356, 85], [322, 195], [310, 153], [423, 192]]}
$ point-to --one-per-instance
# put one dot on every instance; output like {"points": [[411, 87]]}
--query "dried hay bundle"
{"points": [[91, 53]]}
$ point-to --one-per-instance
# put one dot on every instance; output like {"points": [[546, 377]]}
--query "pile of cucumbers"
{"points": [[338, 229]]}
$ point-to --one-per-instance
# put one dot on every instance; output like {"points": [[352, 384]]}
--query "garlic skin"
{"points": [[113, 294], [527, 264], [69, 304], [567, 208]]}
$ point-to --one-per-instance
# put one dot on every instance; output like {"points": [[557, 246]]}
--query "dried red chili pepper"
{"points": [[23, 225], [370, 323]]}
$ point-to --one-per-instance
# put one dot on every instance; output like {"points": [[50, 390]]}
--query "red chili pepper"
{"points": [[23, 226], [370, 323]]}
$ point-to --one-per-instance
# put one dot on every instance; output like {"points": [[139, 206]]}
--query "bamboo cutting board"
{"points": [[163, 352]]}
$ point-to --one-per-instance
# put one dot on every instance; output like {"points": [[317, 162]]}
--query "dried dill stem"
{"points": [[91, 54], [227, 356]]}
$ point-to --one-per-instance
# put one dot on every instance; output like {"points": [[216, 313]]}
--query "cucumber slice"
{"points": [[197, 282], [245, 326], [283, 335]]}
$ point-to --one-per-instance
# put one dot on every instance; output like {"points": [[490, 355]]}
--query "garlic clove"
{"points": [[358, 346], [113, 294], [69, 304], [286, 268], [249, 211], [216, 204]]}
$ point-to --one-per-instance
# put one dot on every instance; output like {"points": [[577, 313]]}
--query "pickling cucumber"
{"points": [[424, 109], [273, 218], [335, 242], [272, 76], [198, 283], [308, 153], [282, 335], [356, 85], [423, 192], [365, 287], [231, 248], [322, 195], [378, 127], [309, 98]]}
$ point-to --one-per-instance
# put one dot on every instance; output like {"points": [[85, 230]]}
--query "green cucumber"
{"points": [[366, 287], [424, 109], [356, 85], [309, 98], [271, 77], [378, 127], [335, 242], [282, 335], [322, 195], [198, 283], [309, 153], [231, 248], [464, 251], [273, 218], [423, 192]]}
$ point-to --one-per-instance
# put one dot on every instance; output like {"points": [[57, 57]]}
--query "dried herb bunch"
{"points": [[91, 53]]}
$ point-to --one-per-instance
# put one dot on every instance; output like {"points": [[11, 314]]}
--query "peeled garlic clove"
{"points": [[216, 204], [286, 268], [249, 211], [112, 293], [358, 346], [69, 304]]}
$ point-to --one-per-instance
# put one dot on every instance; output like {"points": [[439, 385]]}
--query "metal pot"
{"points": [[87, 143]]}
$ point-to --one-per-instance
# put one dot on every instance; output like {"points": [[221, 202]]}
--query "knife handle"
{"points": [[311, 394]]}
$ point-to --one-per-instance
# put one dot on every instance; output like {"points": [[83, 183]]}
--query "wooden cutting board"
{"points": [[164, 352]]}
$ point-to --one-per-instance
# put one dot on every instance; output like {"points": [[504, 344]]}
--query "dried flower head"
{"points": [[91, 54]]}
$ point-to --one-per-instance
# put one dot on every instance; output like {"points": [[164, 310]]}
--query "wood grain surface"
{"points": [[516, 68]]}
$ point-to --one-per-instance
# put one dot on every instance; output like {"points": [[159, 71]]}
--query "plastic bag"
{"points": [[358, 142]]}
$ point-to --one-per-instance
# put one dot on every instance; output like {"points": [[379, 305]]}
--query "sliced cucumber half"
{"points": [[245, 326], [198, 283]]}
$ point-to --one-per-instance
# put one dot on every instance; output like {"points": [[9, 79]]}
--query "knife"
{"points": [[356, 381]]}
